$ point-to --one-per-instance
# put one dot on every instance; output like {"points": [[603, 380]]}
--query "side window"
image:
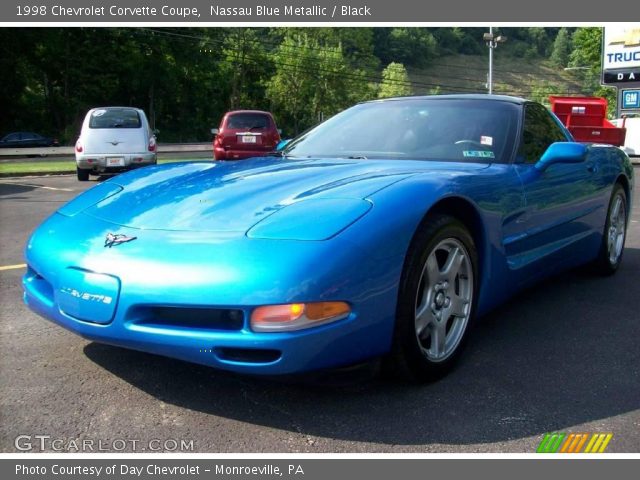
{"points": [[12, 137], [540, 131]]}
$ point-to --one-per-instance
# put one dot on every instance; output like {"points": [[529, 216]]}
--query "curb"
{"points": [[35, 174]]}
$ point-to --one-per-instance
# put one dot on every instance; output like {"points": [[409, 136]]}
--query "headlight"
{"points": [[296, 316], [89, 198], [313, 219]]}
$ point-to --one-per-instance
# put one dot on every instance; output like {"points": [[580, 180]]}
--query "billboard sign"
{"points": [[621, 54]]}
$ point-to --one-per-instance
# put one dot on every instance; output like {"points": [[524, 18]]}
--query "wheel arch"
{"points": [[469, 215], [624, 182]]}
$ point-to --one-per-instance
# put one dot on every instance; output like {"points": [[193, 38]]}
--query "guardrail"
{"points": [[162, 148]]}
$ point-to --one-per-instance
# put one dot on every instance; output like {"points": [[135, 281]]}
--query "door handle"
{"points": [[592, 168]]}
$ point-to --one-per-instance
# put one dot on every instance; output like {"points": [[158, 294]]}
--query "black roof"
{"points": [[465, 96]]}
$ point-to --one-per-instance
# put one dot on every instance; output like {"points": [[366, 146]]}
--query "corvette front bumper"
{"points": [[196, 305]]}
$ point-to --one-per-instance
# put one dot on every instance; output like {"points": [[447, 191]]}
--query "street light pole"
{"points": [[491, 47], [492, 42]]}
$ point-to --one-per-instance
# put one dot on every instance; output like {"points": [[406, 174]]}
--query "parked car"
{"points": [[244, 134], [383, 232], [632, 141], [114, 139], [27, 140]]}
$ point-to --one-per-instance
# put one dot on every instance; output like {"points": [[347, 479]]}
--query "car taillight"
{"points": [[78, 147], [152, 144]]}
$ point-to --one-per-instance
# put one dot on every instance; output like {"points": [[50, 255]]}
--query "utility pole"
{"points": [[492, 42]]}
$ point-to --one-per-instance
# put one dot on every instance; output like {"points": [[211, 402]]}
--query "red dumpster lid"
{"points": [[592, 105]]}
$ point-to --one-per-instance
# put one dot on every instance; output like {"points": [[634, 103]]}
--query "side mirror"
{"points": [[282, 144], [214, 131], [562, 152]]}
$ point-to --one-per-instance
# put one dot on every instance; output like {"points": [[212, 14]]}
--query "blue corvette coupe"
{"points": [[382, 232]]}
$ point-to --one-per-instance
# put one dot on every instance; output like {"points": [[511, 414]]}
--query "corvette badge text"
{"points": [[90, 297]]}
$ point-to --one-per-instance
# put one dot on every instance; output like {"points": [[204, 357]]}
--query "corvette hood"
{"points": [[234, 196]]}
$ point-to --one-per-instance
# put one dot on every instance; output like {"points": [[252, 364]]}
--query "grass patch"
{"points": [[55, 166], [33, 167], [511, 76]]}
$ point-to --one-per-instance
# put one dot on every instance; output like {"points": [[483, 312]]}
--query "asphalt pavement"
{"points": [[562, 356]]}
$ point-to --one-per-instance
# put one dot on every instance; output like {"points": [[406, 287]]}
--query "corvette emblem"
{"points": [[115, 142], [112, 239]]}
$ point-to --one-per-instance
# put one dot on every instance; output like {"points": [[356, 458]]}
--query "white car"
{"points": [[114, 139], [632, 140]]}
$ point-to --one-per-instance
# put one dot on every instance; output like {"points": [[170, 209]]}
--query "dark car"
{"points": [[27, 140], [245, 134]]}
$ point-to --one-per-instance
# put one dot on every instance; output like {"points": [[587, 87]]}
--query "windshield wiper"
{"points": [[280, 154], [357, 157]]}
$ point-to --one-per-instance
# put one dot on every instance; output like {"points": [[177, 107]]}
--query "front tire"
{"points": [[436, 302], [83, 175], [614, 234]]}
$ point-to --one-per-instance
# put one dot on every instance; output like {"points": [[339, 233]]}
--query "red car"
{"points": [[244, 134]]}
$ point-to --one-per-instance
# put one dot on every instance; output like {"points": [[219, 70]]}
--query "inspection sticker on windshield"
{"points": [[478, 153], [486, 140]]}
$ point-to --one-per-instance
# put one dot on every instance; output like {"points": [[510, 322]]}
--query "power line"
{"points": [[249, 59], [369, 77], [325, 49]]}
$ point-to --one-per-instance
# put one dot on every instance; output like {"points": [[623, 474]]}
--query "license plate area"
{"points": [[248, 139], [88, 296], [115, 161]]}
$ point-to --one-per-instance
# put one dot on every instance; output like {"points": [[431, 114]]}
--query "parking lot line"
{"points": [[38, 186], [13, 267]]}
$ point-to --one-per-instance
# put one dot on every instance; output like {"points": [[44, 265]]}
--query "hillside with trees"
{"points": [[186, 78]]}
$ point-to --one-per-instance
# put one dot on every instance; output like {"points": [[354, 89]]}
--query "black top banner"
{"points": [[317, 11]]}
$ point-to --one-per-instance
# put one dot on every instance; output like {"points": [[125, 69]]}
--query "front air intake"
{"points": [[189, 317]]}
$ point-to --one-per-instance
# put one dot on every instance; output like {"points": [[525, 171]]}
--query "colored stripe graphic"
{"points": [[581, 443], [550, 443], [598, 443], [573, 442]]}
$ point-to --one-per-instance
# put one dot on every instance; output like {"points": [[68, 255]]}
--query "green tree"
{"points": [[587, 47], [561, 48], [246, 62], [395, 81], [312, 81], [586, 58], [410, 46]]}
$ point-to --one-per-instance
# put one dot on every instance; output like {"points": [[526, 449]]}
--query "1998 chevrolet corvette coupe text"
{"points": [[382, 232]]}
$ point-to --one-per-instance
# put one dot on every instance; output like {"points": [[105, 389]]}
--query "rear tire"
{"points": [[83, 175], [614, 234], [436, 301]]}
